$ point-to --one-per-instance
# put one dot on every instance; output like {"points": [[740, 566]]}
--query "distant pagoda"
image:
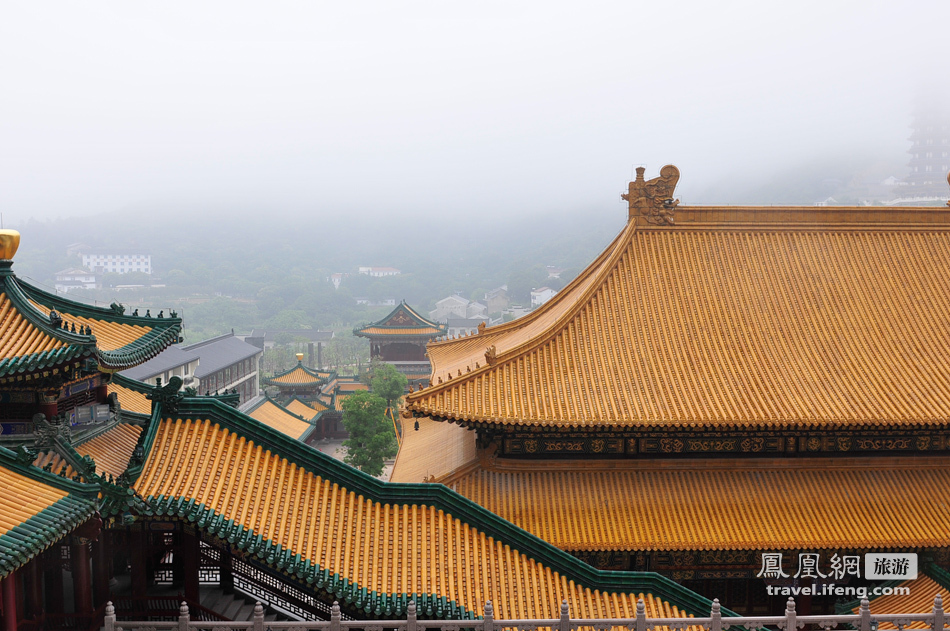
{"points": [[400, 339], [930, 151], [300, 381]]}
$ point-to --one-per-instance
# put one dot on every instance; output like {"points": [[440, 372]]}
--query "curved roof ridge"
{"points": [[133, 339], [319, 377], [529, 330], [403, 317]]}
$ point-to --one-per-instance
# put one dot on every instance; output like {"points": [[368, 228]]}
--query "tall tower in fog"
{"points": [[930, 150]]}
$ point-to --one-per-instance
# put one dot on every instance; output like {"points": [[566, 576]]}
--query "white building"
{"points": [[74, 278], [541, 295], [456, 307], [380, 271], [118, 263]]}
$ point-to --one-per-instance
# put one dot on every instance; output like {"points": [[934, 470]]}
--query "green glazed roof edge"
{"points": [[163, 332], [65, 514], [284, 559], [29, 538], [440, 497]]}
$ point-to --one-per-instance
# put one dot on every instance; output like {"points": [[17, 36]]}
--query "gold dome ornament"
{"points": [[9, 242]]}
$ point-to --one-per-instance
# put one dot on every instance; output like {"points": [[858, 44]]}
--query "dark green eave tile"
{"points": [[24, 541]]}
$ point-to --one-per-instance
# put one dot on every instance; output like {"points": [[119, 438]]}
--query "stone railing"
{"points": [[791, 621]]}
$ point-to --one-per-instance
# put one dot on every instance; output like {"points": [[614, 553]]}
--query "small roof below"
{"points": [[299, 376], [280, 418], [433, 451]]}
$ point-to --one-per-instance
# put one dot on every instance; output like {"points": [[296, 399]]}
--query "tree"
{"points": [[372, 438], [387, 382]]}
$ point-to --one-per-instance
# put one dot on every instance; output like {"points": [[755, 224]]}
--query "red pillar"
{"points": [[8, 586], [35, 588], [53, 570], [191, 551], [82, 578], [102, 567], [138, 557]]}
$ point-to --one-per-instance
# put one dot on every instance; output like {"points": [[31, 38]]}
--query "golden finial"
{"points": [[299, 357], [9, 242]]}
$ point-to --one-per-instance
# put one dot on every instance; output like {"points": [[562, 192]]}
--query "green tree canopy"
{"points": [[372, 438], [387, 382]]}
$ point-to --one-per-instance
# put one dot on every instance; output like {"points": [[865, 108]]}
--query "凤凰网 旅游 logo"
{"points": [[878, 566]]}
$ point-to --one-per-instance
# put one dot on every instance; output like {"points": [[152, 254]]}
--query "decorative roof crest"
{"points": [[653, 199]]}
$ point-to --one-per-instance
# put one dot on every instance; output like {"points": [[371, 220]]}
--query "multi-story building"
{"points": [[929, 153], [219, 364], [118, 263], [73, 278], [379, 272]]}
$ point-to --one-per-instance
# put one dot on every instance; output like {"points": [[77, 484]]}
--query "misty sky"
{"points": [[429, 108]]}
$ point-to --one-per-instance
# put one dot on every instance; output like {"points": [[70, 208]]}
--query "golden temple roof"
{"points": [[129, 399], [301, 408], [277, 417], [217, 476], [110, 450], [721, 505], [18, 336], [299, 375], [731, 317], [23, 498], [36, 340], [403, 321]]}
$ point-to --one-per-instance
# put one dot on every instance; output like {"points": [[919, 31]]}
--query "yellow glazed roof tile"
{"points": [[113, 449], [110, 450], [276, 417], [733, 325], [110, 336], [300, 408], [297, 377], [131, 400], [722, 505], [385, 548], [18, 337], [433, 451], [22, 498]]}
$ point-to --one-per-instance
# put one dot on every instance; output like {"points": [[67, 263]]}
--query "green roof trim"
{"points": [[435, 495], [163, 333], [410, 313], [29, 538]]}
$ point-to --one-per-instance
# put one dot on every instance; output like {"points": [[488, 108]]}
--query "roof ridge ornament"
{"points": [[653, 199]]}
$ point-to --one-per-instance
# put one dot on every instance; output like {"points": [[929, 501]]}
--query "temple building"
{"points": [[164, 489], [400, 339], [720, 385], [721, 393], [300, 381]]}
